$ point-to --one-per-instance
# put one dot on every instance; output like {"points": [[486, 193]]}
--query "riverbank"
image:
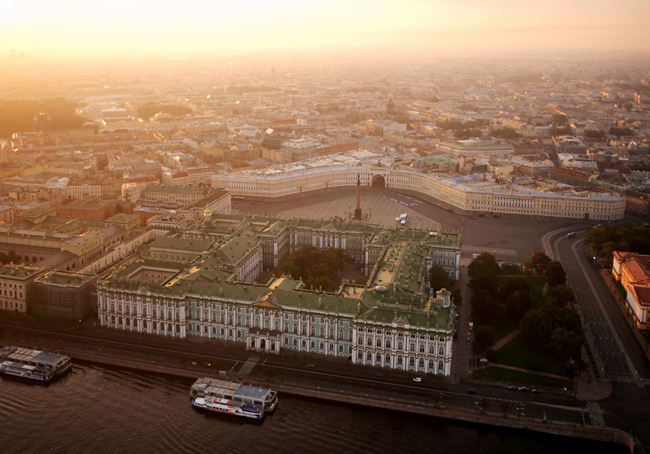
{"points": [[423, 406]]}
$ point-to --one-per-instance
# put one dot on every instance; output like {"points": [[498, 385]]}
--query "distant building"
{"points": [[15, 282]]}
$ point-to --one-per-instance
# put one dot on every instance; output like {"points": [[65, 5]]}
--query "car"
{"points": [[417, 380], [535, 390], [379, 375], [512, 388], [523, 389], [207, 364], [311, 366], [193, 363], [471, 391]]}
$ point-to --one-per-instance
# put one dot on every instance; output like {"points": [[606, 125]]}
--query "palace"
{"points": [[478, 194], [392, 321]]}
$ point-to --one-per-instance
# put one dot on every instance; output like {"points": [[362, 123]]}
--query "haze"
{"points": [[75, 28]]}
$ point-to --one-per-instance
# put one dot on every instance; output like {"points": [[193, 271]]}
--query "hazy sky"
{"points": [[185, 27]]}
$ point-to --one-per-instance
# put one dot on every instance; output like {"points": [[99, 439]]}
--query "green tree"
{"points": [[484, 306], [438, 278], [517, 305], [505, 133], [560, 295], [537, 327], [593, 134], [555, 274], [483, 338], [539, 261]]}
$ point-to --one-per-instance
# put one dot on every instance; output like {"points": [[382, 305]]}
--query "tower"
{"points": [[357, 212]]}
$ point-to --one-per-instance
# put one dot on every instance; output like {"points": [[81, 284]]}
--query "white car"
{"points": [[417, 380]]}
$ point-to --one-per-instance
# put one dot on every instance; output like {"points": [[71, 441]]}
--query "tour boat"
{"points": [[25, 371], [239, 394], [226, 406]]}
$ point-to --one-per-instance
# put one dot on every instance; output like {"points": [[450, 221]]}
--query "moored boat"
{"points": [[25, 371], [55, 363], [265, 399], [226, 406]]}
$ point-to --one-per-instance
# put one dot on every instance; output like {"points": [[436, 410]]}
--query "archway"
{"points": [[378, 181], [262, 344]]}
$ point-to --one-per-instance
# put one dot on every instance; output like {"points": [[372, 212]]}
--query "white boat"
{"points": [[25, 371], [227, 406], [265, 399]]}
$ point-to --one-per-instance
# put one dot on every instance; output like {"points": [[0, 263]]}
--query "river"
{"points": [[96, 409]]}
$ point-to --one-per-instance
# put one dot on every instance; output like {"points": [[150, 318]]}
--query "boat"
{"points": [[25, 371], [265, 399], [52, 362], [218, 405]]}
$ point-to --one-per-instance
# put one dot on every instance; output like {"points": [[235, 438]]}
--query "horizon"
{"points": [[72, 29]]}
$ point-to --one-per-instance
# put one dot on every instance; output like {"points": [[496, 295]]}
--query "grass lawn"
{"points": [[520, 378], [517, 353]]}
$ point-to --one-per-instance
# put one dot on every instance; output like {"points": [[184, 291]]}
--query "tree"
{"points": [[484, 338], [560, 295], [537, 327], [539, 260], [484, 306], [564, 343], [555, 274], [517, 305], [318, 268], [438, 278], [483, 404], [505, 133], [595, 134]]}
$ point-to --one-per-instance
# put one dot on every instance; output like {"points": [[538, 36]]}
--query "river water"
{"points": [[100, 410]]}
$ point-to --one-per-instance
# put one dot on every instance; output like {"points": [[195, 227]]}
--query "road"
{"points": [[310, 371], [623, 360]]}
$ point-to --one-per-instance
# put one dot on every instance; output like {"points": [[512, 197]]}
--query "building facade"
{"points": [[391, 321]]}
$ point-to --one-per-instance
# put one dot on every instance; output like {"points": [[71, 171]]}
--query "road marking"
{"points": [[598, 300]]}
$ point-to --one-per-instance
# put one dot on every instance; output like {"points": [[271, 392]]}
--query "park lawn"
{"points": [[520, 378], [517, 353]]}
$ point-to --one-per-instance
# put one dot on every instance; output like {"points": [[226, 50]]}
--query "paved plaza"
{"points": [[509, 239]]}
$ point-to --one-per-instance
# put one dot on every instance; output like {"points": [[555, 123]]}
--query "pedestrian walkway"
{"points": [[505, 339], [544, 374], [248, 366], [595, 414], [626, 378]]}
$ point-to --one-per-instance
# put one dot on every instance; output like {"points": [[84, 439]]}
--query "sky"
{"points": [[177, 28]]}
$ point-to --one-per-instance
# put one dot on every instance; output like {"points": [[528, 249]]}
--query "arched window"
{"points": [[378, 359], [360, 356], [400, 345], [378, 343], [421, 348], [441, 350], [421, 364], [387, 361], [321, 346], [399, 361], [387, 343], [340, 348], [360, 340], [412, 346]]}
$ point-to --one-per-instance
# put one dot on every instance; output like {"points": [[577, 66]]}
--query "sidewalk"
{"points": [[505, 339]]}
